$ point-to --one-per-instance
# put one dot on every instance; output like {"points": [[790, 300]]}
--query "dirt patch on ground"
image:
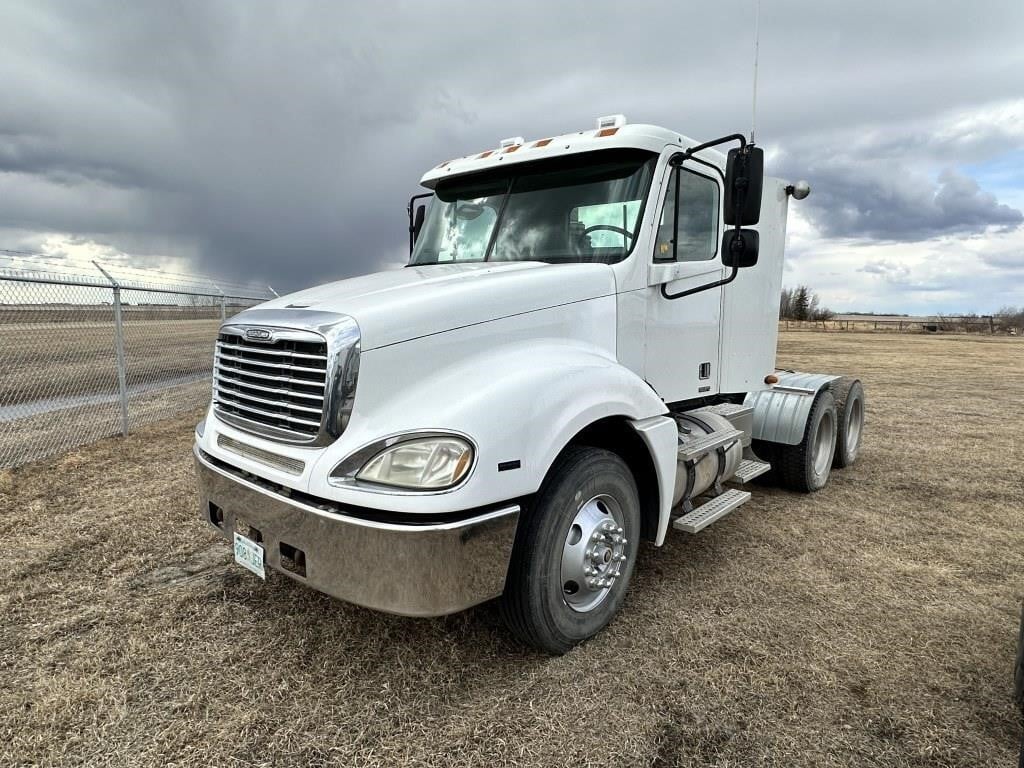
{"points": [[872, 624]]}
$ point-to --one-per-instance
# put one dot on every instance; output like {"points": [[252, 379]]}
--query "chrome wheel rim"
{"points": [[853, 428], [823, 443], [593, 554]]}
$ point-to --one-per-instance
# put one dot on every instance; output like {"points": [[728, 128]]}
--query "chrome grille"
{"points": [[276, 386]]}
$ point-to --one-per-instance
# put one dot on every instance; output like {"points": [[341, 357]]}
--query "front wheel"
{"points": [[574, 551]]}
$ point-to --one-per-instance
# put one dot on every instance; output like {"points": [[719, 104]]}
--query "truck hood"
{"points": [[402, 304]]}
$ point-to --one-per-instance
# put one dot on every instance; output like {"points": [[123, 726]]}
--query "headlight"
{"points": [[428, 463]]}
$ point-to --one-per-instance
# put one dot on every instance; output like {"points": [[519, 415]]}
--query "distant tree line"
{"points": [[1010, 317], [801, 303]]}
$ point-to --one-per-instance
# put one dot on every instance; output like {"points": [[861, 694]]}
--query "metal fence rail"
{"points": [[987, 324], [85, 356]]}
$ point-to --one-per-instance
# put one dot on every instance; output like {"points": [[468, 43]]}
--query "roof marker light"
{"points": [[482, 155], [515, 141], [611, 121], [542, 142]]}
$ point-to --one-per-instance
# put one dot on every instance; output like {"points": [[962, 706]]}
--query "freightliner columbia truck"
{"points": [[578, 357]]}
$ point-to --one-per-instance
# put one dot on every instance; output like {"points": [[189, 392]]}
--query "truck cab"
{"points": [[579, 355]]}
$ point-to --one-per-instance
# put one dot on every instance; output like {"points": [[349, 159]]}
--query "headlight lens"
{"points": [[426, 464]]}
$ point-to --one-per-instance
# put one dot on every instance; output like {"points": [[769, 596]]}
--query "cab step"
{"points": [[694, 449], [710, 511], [749, 469]]}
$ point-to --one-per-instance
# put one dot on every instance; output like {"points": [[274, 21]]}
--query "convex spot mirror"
{"points": [[739, 248], [744, 179]]}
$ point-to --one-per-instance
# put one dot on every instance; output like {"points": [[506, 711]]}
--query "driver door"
{"points": [[682, 351]]}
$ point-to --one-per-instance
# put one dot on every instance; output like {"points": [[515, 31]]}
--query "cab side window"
{"points": [[697, 219]]}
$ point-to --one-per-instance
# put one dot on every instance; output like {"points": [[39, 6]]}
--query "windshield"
{"points": [[586, 208]]}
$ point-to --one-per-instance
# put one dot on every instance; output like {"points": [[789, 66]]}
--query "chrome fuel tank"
{"points": [[695, 476]]}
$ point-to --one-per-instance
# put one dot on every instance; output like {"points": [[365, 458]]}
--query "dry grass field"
{"points": [[52, 360], [872, 624]]}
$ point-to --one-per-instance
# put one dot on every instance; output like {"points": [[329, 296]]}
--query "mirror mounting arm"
{"points": [[685, 155]]}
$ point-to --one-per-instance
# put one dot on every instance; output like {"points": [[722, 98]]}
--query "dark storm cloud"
{"points": [[883, 200], [281, 141]]}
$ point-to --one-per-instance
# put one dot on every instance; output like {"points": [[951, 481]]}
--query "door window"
{"points": [[697, 218]]}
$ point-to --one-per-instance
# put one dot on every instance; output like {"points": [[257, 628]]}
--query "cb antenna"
{"points": [[757, 37]]}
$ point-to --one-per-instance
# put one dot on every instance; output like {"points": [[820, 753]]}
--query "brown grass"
{"points": [[872, 624], [75, 359]]}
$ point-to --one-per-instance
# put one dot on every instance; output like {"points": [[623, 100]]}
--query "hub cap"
{"points": [[856, 409], [594, 553], [823, 444]]}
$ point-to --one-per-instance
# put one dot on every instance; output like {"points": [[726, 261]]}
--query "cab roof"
{"points": [[612, 133]]}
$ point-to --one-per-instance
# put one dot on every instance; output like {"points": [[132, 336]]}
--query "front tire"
{"points": [[574, 551]]}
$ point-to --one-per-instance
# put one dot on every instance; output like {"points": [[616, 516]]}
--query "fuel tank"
{"points": [[695, 477]]}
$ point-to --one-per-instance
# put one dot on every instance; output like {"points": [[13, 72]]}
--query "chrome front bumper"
{"points": [[414, 570]]}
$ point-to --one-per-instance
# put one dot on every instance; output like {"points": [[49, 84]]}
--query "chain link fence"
{"points": [[88, 356]]}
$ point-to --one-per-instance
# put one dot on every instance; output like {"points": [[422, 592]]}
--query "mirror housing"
{"points": [[739, 248], [744, 180], [417, 224]]}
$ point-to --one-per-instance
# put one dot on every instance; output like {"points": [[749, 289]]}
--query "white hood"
{"points": [[404, 304]]}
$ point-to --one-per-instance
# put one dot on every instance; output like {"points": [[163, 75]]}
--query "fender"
{"points": [[661, 436], [780, 413], [520, 402]]}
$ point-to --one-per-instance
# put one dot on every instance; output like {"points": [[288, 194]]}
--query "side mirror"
{"points": [[739, 248], [417, 224], [416, 217], [744, 179]]}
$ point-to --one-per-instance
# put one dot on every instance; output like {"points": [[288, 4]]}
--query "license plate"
{"points": [[249, 555]]}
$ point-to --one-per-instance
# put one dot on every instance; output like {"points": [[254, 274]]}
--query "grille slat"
{"points": [[231, 392], [282, 379], [270, 390], [270, 364], [248, 410], [276, 352], [292, 403]]}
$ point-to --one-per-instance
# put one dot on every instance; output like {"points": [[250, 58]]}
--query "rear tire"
{"points": [[555, 592], [805, 467], [849, 395]]}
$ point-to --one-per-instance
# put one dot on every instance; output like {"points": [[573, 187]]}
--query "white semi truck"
{"points": [[578, 357]]}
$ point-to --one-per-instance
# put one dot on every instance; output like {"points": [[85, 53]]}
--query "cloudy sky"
{"points": [[279, 142]]}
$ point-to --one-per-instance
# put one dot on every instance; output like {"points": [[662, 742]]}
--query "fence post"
{"points": [[122, 377]]}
